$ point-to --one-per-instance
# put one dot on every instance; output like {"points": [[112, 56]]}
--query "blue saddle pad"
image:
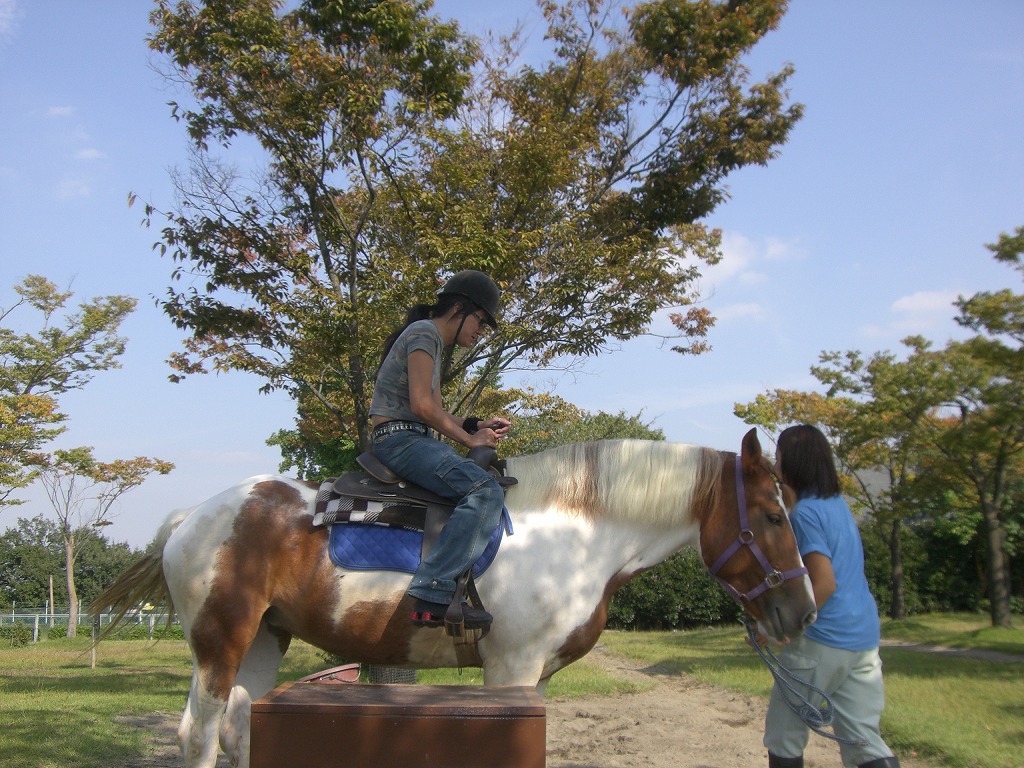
{"points": [[363, 547]]}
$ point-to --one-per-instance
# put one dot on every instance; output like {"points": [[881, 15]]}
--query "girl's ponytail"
{"points": [[420, 312]]}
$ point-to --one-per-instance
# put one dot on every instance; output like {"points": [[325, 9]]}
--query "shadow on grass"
{"points": [[74, 738], [937, 666], [113, 683]]}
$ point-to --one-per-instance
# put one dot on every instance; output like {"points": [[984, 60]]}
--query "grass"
{"points": [[956, 712], [957, 630], [57, 712]]}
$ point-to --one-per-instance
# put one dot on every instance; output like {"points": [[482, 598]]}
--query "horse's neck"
{"points": [[603, 546], [640, 548], [628, 500]]}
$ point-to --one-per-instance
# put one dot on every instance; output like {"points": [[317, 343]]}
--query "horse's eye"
{"points": [[776, 518]]}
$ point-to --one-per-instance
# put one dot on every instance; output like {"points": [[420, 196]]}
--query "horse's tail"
{"points": [[143, 582]]}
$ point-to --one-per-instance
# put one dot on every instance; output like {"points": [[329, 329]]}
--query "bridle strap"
{"points": [[773, 576]]}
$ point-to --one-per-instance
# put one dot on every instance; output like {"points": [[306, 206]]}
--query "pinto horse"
{"points": [[246, 571]]}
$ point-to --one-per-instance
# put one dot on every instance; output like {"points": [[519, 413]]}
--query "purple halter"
{"points": [[773, 576]]}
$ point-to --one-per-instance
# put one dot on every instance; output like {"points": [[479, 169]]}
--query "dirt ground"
{"points": [[677, 724]]}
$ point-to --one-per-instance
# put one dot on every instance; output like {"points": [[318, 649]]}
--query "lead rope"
{"points": [[815, 718]]}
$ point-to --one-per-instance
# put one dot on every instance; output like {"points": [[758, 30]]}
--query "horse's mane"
{"points": [[628, 480]]}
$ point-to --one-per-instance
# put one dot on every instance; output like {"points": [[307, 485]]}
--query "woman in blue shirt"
{"points": [[406, 411], [838, 653]]}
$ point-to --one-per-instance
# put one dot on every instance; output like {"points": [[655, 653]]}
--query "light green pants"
{"points": [[852, 680]]}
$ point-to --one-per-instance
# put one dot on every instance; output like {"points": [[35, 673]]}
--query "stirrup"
{"points": [[428, 614]]}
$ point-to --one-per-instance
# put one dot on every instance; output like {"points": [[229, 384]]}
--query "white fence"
{"points": [[42, 619]]}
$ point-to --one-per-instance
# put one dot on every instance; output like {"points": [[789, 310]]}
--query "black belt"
{"points": [[390, 427]]}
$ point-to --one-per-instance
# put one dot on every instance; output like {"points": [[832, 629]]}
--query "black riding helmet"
{"points": [[478, 288]]}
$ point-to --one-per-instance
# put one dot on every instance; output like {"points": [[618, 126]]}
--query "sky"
{"points": [[865, 229]]}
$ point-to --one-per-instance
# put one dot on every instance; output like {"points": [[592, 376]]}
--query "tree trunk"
{"points": [[998, 573], [898, 609], [69, 567]]}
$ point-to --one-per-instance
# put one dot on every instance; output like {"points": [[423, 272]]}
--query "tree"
{"points": [[25, 424], [82, 492], [35, 369], [545, 421], [30, 554], [939, 422], [396, 153], [987, 439], [882, 416]]}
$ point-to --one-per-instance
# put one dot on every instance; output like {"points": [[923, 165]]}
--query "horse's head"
{"points": [[749, 546]]}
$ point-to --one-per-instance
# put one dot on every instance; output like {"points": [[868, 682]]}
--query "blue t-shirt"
{"points": [[849, 618], [391, 391]]}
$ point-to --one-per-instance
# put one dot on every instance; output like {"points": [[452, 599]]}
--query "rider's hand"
{"points": [[498, 425], [484, 437]]}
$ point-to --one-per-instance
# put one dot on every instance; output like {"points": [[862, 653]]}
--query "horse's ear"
{"points": [[751, 451]]}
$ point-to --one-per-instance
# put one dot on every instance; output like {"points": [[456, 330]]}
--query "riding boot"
{"points": [[775, 761], [882, 762]]}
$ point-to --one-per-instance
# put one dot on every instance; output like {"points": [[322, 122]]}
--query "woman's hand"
{"points": [[483, 438], [497, 425], [489, 432]]}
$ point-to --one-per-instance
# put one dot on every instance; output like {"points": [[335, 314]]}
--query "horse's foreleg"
{"points": [[256, 677]]}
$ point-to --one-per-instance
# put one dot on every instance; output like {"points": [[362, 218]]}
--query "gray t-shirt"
{"points": [[391, 392]]}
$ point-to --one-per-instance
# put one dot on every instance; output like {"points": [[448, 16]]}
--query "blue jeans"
{"points": [[439, 468]]}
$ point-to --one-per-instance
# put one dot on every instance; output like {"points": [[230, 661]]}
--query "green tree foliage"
{"points": [[542, 421], [33, 552], [26, 423], [986, 441], [881, 415], [396, 151], [30, 554], [314, 457], [675, 594], [66, 351], [83, 492], [943, 427]]}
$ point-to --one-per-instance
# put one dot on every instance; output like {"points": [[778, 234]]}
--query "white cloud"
{"points": [[923, 312], [89, 154], [59, 111], [925, 302], [739, 312], [782, 250], [738, 255], [68, 189], [742, 258], [8, 15]]}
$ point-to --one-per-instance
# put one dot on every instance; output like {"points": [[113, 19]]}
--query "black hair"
{"points": [[806, 462], [428, 312]]}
